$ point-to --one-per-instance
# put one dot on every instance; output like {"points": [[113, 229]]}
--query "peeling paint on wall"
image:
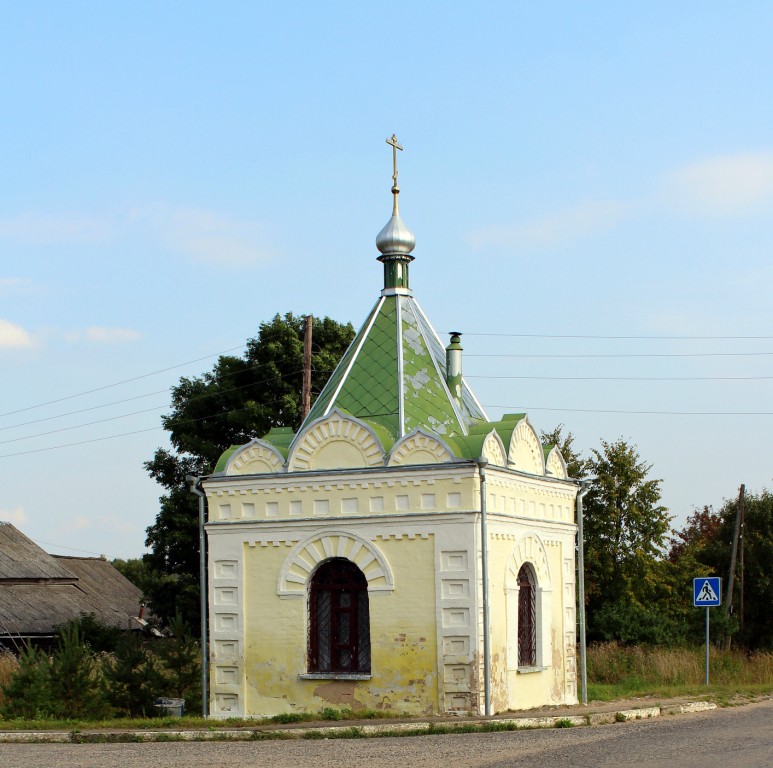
{"points": [[339, 692]]}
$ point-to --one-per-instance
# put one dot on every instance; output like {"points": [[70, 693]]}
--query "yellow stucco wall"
{"points": [[420, 525], [403, 660], [511, 688], [294, 497]]}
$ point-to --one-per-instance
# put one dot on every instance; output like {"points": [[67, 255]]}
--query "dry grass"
{"points": [[635, 669], [8, 665]]}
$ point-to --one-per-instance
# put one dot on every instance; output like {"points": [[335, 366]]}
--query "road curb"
{"points": [[320, 731]]}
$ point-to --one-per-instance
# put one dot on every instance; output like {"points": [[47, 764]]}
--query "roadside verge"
{"points": [[356, 730]]}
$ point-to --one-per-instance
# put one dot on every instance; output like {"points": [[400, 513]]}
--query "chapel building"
{"points": [[345, 561]]}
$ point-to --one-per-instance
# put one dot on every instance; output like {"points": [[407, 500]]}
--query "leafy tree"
{"points": [[133, 678], [77, 688], [625, 531], [135, 569], [704, 545], [28, 693], [241, 398], [575, 465], [99, 637]]}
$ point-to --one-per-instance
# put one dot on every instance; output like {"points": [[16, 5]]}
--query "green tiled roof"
{"points": [[224, 456], [393, 377], [504, 427], [323, 403], [469, 446], [370, 390], [280, 438]]}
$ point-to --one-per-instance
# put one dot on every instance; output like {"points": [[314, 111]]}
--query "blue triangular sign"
{"points": [[706, 594]]}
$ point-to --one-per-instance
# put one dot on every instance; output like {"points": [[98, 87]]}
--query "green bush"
{"points": [[78, 689], [134, 680], [181, 658], [28, 692]]}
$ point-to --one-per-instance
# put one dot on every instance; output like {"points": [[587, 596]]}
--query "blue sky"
{"points": [[173, 176]]}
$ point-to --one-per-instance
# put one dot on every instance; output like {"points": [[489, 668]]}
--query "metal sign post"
{"points": [[707, 593]]}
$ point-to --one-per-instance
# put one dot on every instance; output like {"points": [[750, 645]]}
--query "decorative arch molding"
{"points": [[529, 549], [555, 464], [420, 447], [335, 441], [255, 458], [494, 449], [305, 556], [525, 451]]}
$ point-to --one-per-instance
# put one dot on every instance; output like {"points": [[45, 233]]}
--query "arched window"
{"points": [[527, 618], [339, 620]]}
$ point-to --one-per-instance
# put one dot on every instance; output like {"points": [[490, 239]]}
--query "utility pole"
{"points": [[306, 394], [740, 600], [733, 554]]}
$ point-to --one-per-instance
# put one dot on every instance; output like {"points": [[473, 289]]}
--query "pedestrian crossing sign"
{"points": [[706, 591]]}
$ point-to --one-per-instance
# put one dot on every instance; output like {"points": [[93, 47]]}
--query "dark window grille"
{"points": [[527, 619], [339, 619]]}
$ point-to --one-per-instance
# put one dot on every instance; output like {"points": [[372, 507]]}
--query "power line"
{"points": [[80, 442], [86, 424], [481, 376], [146, 410], [644, 354], [254, 366], [118, 383], [262, 365], [126, 434], [522, 409], [650, 338], [507, 335], [71, 549], [504, 407], [624, 378], [84, 410]]}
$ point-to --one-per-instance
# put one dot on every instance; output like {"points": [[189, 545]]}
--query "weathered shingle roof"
{"points": [[39, 591], [21, 558]]}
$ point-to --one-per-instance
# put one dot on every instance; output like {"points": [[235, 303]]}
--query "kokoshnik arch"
{"points": [[344, 560]]}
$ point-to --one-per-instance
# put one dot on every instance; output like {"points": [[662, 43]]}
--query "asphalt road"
{"points": [[740, 737]]}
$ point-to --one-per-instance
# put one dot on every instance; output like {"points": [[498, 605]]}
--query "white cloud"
{"points": [[729, 185], [8, 284], [102, 335], [207, 236], [45, 229], [13, 336], [17, 516], [201, 234], [570, 224], [80, 522]]}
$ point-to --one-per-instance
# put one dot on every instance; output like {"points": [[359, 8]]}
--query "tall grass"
{"points": [[620, 670], [8, 666]]}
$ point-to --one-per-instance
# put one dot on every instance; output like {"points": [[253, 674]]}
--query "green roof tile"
{"points": [[224, 456], [370, 389], [280, 438], [393, 377]]}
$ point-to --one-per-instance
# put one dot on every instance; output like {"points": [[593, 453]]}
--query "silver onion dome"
{"points": [[395, 237]]}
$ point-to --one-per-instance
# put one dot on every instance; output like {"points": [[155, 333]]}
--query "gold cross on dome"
{"points": [[395, 146]]}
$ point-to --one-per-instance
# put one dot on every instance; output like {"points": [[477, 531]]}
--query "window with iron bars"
{"points": [[339, 619], [527, 618]]}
